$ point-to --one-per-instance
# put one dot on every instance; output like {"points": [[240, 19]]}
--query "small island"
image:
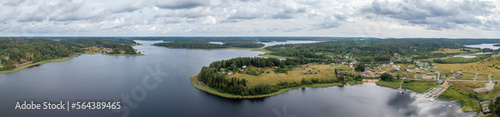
{"points": [[201, 45], [19, 53], [497, 45]]}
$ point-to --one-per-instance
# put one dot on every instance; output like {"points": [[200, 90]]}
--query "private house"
{"points": [[230, 73]]}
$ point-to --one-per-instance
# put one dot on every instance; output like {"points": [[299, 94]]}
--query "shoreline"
{"points": [[57, 60], [465, 107], [232, 96], [236, 48], [19, 68]]}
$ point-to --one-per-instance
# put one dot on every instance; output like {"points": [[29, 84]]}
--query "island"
{"points": [[425, 66], [17, 53], [201, 45], [497, 45]]}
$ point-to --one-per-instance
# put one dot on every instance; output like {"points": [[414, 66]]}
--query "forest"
{"points": [[200, 45], [215, 75], [16, 50]]}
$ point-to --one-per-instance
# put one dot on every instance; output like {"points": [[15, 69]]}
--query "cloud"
{"points": [[181, 4], [246, 13], [250, 17], [328, 22], [434, 14], [287, 8], [130, 7], [12, 2]]}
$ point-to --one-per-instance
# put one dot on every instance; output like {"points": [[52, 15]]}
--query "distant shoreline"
{"points": [[19, 68]]}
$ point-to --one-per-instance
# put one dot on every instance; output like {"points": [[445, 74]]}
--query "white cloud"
{"points": [[393, 18]]}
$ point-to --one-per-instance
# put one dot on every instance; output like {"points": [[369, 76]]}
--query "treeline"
{"points": [[379, 49], [235, 63], [214, 75], [115, 44], [243, 45], [198, 45], [14, 51]]}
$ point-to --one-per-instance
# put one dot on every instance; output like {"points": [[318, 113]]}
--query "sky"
{"points": [[312, 18]]}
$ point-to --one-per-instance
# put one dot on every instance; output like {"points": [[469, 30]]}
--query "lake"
{"points": [[484, 45], [134, 78]]}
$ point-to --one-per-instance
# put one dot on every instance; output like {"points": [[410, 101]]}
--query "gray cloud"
{"points": [[130, 7], [247, 17], [181, 4], [12, 2], [246, 13], [434, 14]]}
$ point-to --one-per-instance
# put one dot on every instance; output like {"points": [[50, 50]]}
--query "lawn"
{"points": [[448, 50], [325, 72], [483, 67]]}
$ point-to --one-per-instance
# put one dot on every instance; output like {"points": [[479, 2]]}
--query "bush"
{"points": [[386, 77]]}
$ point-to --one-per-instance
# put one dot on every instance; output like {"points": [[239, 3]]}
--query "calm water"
{"points": [[484, 46], [107, 78]]}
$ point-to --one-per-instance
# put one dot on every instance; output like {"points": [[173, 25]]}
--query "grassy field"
{"points": [[417, 86], [448, 50], [37, 63], [325, 72], [483, 67]]}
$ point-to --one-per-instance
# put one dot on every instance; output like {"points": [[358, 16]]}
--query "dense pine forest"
{"points": [[15, 51]]}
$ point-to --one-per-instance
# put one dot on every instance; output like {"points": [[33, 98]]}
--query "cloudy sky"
{"points": [[339, 18]]}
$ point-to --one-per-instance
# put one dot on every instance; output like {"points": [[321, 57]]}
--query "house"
{"points": [[244, 67], [230, 73], [439, 82], [343, 72]]}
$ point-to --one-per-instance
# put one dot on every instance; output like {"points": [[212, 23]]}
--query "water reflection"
{"points": [[105, 78]]}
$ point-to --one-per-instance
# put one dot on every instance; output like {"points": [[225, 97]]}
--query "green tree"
{"points": [[386, 77], [360, 67], [358, 78]]}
